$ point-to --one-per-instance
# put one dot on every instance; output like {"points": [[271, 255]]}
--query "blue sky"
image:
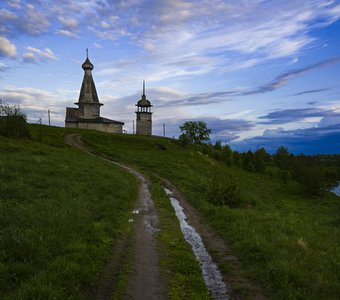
{"points": [[259, 72]]}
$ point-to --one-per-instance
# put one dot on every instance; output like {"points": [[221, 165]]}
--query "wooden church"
{"points": [[87, 115]]}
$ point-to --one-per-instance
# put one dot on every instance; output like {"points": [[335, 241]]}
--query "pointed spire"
{"points": [[87, 65], [143, 87]]}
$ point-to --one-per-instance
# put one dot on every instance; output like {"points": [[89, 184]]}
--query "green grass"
{"points": [[60, 213], [287, 242]]}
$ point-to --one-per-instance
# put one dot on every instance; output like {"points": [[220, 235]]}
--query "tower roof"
{"points": [[87, 65], [88, 92], [143, 101]]}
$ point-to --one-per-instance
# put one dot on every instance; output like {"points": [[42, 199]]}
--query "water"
{"points": [[336, 189], [211, 274]]}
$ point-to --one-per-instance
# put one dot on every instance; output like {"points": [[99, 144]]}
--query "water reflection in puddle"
{"points": [[336, 189], [210, 272]]}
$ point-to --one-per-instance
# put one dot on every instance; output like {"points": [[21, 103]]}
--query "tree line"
{"points": [[312, 173]]}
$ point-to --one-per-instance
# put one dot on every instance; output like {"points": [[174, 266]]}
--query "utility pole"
{"points": [[163, 129], [49, 118], [0, 107], [133, 126]]}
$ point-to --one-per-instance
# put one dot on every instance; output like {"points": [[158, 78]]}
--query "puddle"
{"points": [[336, 189], [211, 274]]}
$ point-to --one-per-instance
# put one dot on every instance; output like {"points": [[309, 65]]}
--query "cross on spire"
{"points": [[87, 53]]}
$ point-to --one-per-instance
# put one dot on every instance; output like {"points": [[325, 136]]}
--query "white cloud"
{"points": [[149, 46], [29, 57], [112, 34], [35, 54], [67, 33], [105, 25], [215, 30], [2, 66], [34, 22], [7, 49], [98, 46], [67, 22], [36, 102], [7, 15], [14, 3], [135, 21]]}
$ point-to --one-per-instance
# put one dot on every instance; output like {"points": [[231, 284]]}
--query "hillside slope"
{"points": [[287, 242], [61, 212]]}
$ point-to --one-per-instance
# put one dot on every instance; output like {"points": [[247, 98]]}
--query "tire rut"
{"points": [[145, 280]]}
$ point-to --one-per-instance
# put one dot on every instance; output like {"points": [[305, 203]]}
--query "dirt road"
{"points": [[145, 281]]}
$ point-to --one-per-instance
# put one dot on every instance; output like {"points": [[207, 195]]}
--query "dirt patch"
{"points": [[144, 281], [239, 288]]}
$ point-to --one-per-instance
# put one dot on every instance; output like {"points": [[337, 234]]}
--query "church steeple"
{"points": [[144, 120], [89, 106], [143, 95]]}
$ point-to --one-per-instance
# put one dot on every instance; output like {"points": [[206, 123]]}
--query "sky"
{"points": [[260, 73]]}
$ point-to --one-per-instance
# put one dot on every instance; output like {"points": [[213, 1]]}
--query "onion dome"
{"points": [[87, 65], [143, 102]]}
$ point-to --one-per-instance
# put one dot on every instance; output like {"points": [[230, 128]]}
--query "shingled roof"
{"points": [[88, 92]]}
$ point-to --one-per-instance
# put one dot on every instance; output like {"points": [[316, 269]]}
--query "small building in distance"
{"points": [[87, 115], [144, 115]]}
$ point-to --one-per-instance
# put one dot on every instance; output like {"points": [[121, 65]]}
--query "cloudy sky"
{"points": [[259, 72]]}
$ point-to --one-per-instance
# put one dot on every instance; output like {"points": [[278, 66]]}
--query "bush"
{"points": [[312, 181], [222, 190], [13, 123]]}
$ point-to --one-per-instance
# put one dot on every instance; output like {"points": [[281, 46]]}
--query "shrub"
{"points": [[13, 123], [311, 181], [222, 190]]}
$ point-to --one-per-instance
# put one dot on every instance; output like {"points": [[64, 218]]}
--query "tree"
{"points": [[260, 160], [13, 122], [282, 158], [194, 132]]}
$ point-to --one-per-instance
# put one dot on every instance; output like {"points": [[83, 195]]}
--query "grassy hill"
{"points": [[286, 241], [62, 210]]}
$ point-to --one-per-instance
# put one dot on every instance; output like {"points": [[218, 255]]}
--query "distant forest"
{"points": [[313, 173]]}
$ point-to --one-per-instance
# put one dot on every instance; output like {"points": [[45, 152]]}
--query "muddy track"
{"points": [[239, 288], [145, 281]]}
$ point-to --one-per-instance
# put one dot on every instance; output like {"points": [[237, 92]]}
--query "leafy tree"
{"points": [[13, 122], [260, 159], [194, 132], [282, 158], [263, 155], [247, 161], [218, 145], [312, 181], [227, 155]]}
